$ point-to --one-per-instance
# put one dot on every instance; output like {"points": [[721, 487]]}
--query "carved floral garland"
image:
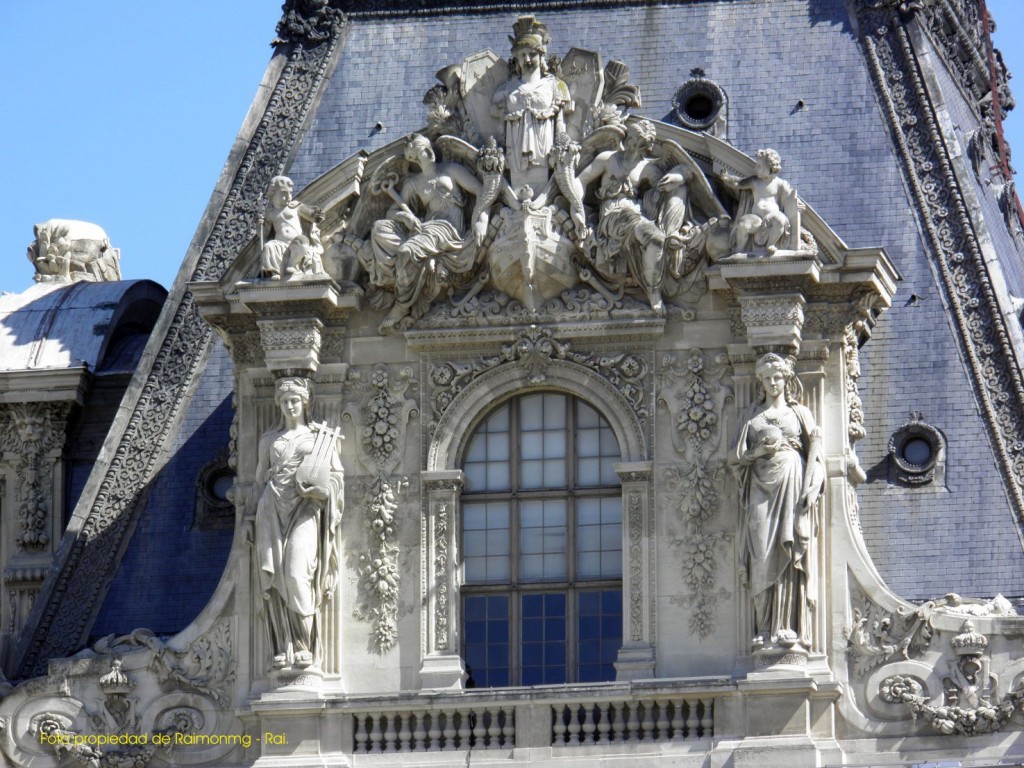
{"points": [[695, 395], [381, 416]]}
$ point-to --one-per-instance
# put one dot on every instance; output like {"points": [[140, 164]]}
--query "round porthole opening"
{"points": [[699, 104]]}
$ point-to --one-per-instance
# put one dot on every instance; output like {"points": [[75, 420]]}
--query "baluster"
{"points": [[387, 732], [419, 733], [508, 727], [479, 730], [662, 724], [494, 728], [691, 713], [701, 713], [463, 734], [588, 724], [603, 727], [362, 733], [574, 725], [449, 730], [677, 720], [632, 724], [617, 720], [404, 732], [434, 732], [375, 733], [709, 724], [647, 726], [558, 731]]}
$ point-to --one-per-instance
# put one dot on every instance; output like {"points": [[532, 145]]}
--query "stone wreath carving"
{"points": [[380, 416], [694, 393], [537, 349], [110, 508], [532, 178], [30, 431], [968, 705]]}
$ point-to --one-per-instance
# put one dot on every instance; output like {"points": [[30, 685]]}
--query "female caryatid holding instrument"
{"points": [[778, 461], [301, 486]]}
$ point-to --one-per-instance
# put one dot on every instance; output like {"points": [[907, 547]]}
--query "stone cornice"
{"points": [[964, 276], [110, 505]]}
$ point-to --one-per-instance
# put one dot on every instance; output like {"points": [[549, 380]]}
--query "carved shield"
{"points": [[482, 73], [530, 259], [581, 71]]}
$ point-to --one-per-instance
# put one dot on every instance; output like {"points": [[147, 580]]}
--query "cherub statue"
{"points": [[768, 214], [423, 242], [295, 248], [532, 105], [644, 211]]}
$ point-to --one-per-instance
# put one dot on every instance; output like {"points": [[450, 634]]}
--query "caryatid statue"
{"points": [[301, 483], [777, 458]]}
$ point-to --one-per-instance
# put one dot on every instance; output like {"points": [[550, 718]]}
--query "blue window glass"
{"points": [[599, 628], [486, 630]]}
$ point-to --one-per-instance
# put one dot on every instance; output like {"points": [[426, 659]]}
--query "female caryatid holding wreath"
{"points": [[301, 486], [778, 461]]}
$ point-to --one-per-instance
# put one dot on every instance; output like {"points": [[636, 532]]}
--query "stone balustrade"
{"points": [[663, 711]]}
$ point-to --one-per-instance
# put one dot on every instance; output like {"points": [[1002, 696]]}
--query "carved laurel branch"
{"points": [[65, 609], [983, 338]]}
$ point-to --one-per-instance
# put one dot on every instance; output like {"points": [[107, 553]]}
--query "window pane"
{"points": [[487, 640], [599, 538], [485, 541], [542, 629], [487, 457], [542, 441], [542, 540], [599, 628], [597, 450]]}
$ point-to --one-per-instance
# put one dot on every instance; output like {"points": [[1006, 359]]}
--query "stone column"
{"points": [[636, 658], [442, 666]]}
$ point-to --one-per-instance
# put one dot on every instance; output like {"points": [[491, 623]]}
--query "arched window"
{"points": [[541, 545]]}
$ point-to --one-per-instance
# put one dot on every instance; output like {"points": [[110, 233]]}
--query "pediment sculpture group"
{"points": [[530, 178]]}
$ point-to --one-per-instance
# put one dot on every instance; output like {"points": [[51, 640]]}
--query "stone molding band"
{"points": [[983, 335]]}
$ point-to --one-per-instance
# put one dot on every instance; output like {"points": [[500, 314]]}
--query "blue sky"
{"points": [[122, 112]]}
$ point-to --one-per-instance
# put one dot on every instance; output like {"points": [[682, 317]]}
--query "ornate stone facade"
{"points": [[536, 237]]}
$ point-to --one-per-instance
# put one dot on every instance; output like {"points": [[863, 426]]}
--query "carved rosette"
{"points": [[30, 433], [695, 395]]}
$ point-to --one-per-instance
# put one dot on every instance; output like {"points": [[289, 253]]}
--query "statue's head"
{"points": [[280, 185], [417, 147], [292, 386], [530, 41], [771, 366], [771, 159], [641, 134]]}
